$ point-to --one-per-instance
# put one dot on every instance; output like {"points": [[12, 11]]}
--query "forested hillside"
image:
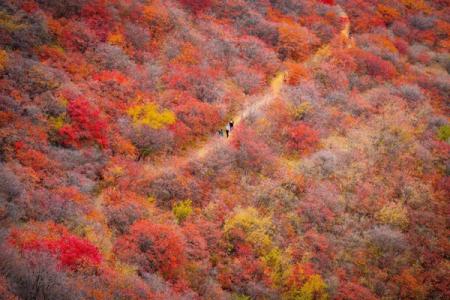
{"points": [[121, 176]]}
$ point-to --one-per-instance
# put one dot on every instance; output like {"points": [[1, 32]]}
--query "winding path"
{"points": [[265, 99]]}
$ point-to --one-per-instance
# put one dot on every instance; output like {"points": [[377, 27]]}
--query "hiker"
{"points": [[227, 130], [231, 123], [220, 132]]}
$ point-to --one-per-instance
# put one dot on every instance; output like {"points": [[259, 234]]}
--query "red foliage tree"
{"points": [[154, 247], [86, 125], [71, 251], [302, 138], [74, 252]]}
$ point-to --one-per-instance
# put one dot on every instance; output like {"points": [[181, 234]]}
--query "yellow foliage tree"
{"points": [[151, 115], [278, 263], [182, 210], [257, 229], [394, 214], [301, 110], [313, 289]]}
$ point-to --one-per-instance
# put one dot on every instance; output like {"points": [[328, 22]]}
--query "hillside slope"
{"points": [[333, 184]]}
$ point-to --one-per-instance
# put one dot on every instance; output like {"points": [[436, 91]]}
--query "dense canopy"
{"points": [[332, 184]]}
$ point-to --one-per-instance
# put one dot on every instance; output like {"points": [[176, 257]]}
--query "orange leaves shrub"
{"points": [[295, 72], [418, 5], [388, 13], [154, 248], [188, 55], [33, 159], [157, 17], [296, 42]]}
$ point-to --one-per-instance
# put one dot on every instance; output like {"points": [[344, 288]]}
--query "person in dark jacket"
{"points": [[231, 123]]}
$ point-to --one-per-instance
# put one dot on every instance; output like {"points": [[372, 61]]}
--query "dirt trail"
{"points": [[271, 94]]}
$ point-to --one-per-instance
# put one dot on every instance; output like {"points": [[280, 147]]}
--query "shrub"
{"points": [[66, 9], [155, 248], [258, 54], [122, 216], [197, 6], [201, 118], [314, 288], [33, 77], [302, 138], [412, 93], [137, 35], [151, 115], [296, 42], [422, 22], [400, 29], [182, 210], [373, 65], [387, 240], [76, 35], [256, 229], [111, 57], [35, 275], [394, 214], [10, 186], [444, 133], [8, 104], [251, 153], [168, 188], [70, 251], [25, 31], [323, 163], [249, 80], [86, 125], [43, 206]]}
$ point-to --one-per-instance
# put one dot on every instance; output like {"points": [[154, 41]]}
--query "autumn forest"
{"points": [[224, 149]]}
